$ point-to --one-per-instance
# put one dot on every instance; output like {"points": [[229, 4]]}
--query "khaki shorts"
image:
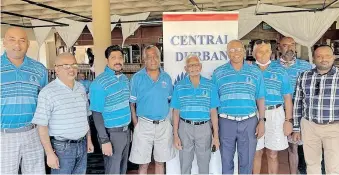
{"points": [[274, 138], [148, 136]]}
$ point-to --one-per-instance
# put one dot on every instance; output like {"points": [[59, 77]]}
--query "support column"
{"points": [[101, 32]]}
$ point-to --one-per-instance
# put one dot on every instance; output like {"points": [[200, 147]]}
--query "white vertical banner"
{"points": [[205, 34]]}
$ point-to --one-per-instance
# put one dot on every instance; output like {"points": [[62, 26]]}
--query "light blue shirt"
{"points": [[86, 84], [19, 91], [238, 90], [151, 97], [277, 84], [195, 103], [109, 95], [295, 70]]}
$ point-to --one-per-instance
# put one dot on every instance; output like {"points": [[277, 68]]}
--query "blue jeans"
{"points": [[72, 157]]}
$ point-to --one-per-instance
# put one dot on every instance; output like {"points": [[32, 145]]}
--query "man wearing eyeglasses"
{"points": [[194, 101], [278, 123], [316, 112], [109, 96], [294, 67], [61, 116], [241, 92], [151, 90], [21, 80]]}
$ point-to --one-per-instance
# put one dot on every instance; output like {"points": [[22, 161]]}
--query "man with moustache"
{"points": [[62, 119], [109, 96], [21, 80], [241, 92], [278, 123], [151, 90], [316, 112], [194, 100], [294, 67]]}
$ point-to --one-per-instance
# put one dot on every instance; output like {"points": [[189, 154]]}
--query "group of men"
{"points": [[246, 106]]}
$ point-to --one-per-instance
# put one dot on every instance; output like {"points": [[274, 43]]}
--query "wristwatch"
{"points": [[104, 140], [289, 120], [262, 119]]}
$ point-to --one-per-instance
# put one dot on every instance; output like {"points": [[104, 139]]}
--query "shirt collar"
{"points": [[332, 71], [109, 71], [188, 80], [57, 80], [5, 61], [288, 63], [244, 66]]}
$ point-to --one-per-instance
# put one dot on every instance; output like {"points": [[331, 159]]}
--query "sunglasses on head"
{"points": [[262, 41]]}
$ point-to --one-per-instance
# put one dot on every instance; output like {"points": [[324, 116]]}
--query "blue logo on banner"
{"points": [[180, 77]]}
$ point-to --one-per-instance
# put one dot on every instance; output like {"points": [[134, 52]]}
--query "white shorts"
{"points": [[274, 138], [148, 135]]}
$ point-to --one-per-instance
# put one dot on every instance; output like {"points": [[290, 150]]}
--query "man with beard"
{"points": [[21, 80], [316, 110], [294, 67], [109, 96], [62, 119]]}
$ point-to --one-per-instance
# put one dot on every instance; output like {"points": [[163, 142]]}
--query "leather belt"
{"points": [[68, 140], [153, 121], [17, 130], [118, 129], [237, 118], [273, 107], [193, 122]]}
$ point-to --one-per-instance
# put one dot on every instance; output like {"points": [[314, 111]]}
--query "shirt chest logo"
{"points": [[33, 78], [249, 81], [163, 84], [274, 77]]}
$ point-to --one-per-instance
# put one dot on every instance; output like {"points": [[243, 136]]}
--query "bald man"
{"points": [[21, 80], [242, 92], [192, 127], [61, 116]]}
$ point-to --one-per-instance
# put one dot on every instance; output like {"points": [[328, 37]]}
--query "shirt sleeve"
{"points": [[44, 79], [286, 87], [170, 88], [97, 97], [215, 102], [175, 99], [260, 89], [297, 106], [43, 112], [133, 90]]}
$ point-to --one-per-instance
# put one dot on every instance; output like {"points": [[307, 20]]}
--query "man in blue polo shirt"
{"points": [[151, 90], [278, 123], [109, 96], [194, 100], [82, 79], [21, 80], [294, 67], [241, 93]]}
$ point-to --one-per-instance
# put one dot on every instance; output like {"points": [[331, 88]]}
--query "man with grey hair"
{"points": [[195, 101], [21, 80], [61, 117], [151, 89], [278, 123], [242, 93]]}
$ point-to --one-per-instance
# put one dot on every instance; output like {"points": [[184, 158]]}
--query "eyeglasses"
{"points": [[262, 41], [235, 50], [317, 88], [68, 66], [193, 65]]}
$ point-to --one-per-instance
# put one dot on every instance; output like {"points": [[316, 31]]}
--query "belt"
{"points": [[118, 129], [193, 122], [237, 118], [68, 140], [273, 107], [327, 123], [17, 130], [153, 121]]}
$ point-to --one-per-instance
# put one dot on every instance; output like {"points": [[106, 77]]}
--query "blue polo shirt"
{"points": [[151, 97], [295, 70], [238, 90], [86, 84], [109, 95], [195, 103], [277, 84], [19, 91]]}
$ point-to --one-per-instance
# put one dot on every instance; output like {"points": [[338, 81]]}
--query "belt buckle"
{"points": [[156, 122], [125, 128]]}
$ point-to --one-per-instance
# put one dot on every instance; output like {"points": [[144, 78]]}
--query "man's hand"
{"points": [[296, 136], [288, 128], [90, 147], [177, 143], [135, 123], [216, 142], [53, 161], [260, 130], [107, 149]]}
